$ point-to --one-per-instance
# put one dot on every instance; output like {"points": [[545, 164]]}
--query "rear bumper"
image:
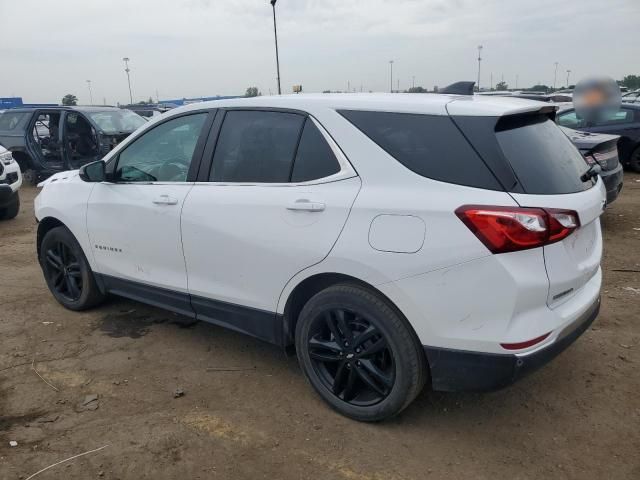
{"points": [[613, 182], [458, 370]]}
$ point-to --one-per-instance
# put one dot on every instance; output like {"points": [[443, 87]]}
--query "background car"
{"points": [[53, 139], [10, 182], [601, 149], [625, 122], [631, 97]]}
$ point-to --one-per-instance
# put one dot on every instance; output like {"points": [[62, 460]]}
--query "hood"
{"points": [[588, 140], [61, 177]]}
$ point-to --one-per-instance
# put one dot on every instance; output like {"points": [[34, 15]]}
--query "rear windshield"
{"points": [[429, 145], [541, 156]]}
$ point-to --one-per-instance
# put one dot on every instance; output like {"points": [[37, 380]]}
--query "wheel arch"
{"points": [[44, 226], [314, 284]]}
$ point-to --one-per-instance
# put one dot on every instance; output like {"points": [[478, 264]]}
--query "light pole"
{"points": [[516, 81], [391, 76], [126, 69], [275, 35], [479, 61], [90, 93], [413, 81], [555, 75], [568, 74]]}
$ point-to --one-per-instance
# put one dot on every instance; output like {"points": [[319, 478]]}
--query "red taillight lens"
{"points": [[509, 229], [528, 343]]}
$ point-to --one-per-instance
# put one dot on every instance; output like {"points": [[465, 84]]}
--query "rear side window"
{"points": [[314, 158], [429, 145], [540, 154], [11, 120], [256, 147]]}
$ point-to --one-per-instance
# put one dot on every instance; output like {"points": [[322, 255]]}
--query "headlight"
{"points": [[6, 158]]}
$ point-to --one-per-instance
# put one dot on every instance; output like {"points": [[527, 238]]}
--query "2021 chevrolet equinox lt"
{"points": [[393, 240]]}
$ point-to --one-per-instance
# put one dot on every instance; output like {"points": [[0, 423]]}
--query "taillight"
{"points": [[509, 229]]}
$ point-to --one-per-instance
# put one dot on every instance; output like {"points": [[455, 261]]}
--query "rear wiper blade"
{"points": [[594, 171]]}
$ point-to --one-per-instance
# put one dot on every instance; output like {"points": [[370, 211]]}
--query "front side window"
{"points": [[117, 121], [163, 154], [256, 147]]}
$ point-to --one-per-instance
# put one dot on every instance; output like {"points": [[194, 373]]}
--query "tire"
{"points": [[67, 272], [634, 160], [11, 211], [384, 352]]}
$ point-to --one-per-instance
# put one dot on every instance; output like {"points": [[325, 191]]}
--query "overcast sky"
{"points": [[184, 48]]}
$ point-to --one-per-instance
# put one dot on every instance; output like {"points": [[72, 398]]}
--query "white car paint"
{"points": [[241, 243], [9, 165]]}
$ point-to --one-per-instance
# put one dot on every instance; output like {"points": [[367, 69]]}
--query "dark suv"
{"points": [[53, 139]]}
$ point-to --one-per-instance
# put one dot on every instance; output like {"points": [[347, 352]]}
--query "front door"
{"points": [[277, 197], [134, 220]]}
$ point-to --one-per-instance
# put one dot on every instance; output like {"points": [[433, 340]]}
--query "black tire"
{"points": [[634, 160], [11, 211], [67, 272], [390, 358]]}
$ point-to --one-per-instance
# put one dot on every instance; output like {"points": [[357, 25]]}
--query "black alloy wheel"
{"points": [[359, 353], [351, 357], [63, 271]]}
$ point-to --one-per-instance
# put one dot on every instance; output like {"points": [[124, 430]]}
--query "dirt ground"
{"points": [[248, 413]]}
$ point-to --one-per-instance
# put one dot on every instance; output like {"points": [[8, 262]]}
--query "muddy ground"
{"points": [[247, 412]]}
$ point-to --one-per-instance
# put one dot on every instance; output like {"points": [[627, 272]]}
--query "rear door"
{"points": [[273, 199], [549, 167]]}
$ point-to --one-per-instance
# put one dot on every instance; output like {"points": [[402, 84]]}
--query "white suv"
{"points": [[10, 182], [392, 239]]}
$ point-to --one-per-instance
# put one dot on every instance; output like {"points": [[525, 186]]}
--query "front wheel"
{"points": [[634, 160], [359, 354], [67, 272]]}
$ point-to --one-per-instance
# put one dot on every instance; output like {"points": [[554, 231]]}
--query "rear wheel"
{"points": [[359, 354], [11, 210], [67, 271], [634, 160]]}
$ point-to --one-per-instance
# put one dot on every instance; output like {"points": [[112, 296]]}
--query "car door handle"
{"points": [[165, 200], [306, 205]]}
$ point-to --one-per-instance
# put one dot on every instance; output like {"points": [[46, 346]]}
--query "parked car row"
{"points": [[392, 240], [10, 182]]}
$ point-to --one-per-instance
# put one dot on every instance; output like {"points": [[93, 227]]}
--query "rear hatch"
{"points": [[546, 169], [596, 147]]}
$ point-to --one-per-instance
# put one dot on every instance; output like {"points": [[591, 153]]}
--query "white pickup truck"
{"points": [[10, 182]]}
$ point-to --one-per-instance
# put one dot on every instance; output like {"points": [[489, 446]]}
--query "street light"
{"points": [[275, 34], [391, 76], [555, 75], [479, 60], [90, 93], [126, 69], [568, 73]]}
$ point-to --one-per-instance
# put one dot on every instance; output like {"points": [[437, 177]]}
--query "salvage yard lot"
{"points": [[247, 412]]}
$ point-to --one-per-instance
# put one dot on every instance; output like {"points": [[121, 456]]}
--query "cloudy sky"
{"points": [[183, 48]]}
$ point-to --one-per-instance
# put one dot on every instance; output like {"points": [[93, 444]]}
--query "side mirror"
{"points": [[93, 172]]}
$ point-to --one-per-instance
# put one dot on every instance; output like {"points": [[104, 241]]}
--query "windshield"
{"points": [[117, 121]]}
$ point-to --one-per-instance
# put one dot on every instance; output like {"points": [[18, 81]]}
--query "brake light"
{"points": [[509, 229]]}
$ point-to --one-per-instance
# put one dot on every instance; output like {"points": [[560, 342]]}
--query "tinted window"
{"points": [[542, 157], [429, 145], [615, 118], [256, 147], [163, 154], [10, 120], [314, 158], [570, 120]]}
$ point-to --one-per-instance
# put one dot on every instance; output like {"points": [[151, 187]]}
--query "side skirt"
{"points": [[261, 324]]}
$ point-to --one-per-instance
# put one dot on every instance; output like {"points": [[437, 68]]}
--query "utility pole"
{"points": [[391, 77], [491, 80], [275, 34], [126, 69], [90, 93], [398, 90], [555, 75], [568, 74], [413, 81], [516, 81], [479, 61]]}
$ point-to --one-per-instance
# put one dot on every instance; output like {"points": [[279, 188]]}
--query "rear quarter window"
{"points": [[13, 120], [429, 145]]}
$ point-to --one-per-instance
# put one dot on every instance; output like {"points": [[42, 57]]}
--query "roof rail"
{"points": [[458, 88]]}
